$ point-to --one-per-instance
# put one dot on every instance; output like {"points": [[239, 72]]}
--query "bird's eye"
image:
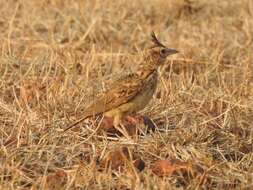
{"points": [[163, 51]]}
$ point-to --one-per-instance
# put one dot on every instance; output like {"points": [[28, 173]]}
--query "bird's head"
{"points": [[158, 52]]}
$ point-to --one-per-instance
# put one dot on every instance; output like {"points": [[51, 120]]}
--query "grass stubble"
{"points": [[57, 55]]}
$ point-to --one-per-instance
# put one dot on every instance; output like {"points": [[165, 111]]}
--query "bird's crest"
{"points": [[156, 42]]}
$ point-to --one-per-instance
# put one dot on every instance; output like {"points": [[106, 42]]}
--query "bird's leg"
{"points": [[138, 120], [119, 125], [149, 124], [117, 120], [132, 120], [107, 124]]}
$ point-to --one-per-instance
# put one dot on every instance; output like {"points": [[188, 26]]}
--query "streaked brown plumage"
{"points": [[133, 92]]}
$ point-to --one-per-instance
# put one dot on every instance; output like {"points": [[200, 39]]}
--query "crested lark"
{"points": [[132, 93]]}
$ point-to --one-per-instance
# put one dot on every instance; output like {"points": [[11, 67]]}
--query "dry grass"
{"points": [[56, 54]]}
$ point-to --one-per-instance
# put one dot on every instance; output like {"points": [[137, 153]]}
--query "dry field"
{"points": [[55, 56]]}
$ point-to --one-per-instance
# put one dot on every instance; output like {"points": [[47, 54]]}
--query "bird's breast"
{"points": [[146, 94]]}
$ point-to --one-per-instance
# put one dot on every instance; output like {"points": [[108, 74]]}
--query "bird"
{"points": [[133, 92]]}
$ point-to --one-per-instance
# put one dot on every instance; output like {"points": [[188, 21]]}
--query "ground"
{"points": [[56, 56]]}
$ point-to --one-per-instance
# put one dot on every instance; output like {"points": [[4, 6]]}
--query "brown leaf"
{"points": [[116, 159], [139, 164], [119, 158], [169, 167], [56, 180]]}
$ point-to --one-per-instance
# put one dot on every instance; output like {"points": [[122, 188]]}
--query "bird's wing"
{"points": [[120, 92]]}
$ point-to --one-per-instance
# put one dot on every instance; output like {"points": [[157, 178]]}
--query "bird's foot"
{"points": [[131, 125], [107, 125], [125, 127], [149, 124]]}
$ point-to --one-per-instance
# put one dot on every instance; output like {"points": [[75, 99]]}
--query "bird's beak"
{"points": [[171, 51]]}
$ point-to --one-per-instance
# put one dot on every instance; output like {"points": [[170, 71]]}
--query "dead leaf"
{"points": [[119, 158], [139, 164], [169, 167], [56, 181], [116, 159]]}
